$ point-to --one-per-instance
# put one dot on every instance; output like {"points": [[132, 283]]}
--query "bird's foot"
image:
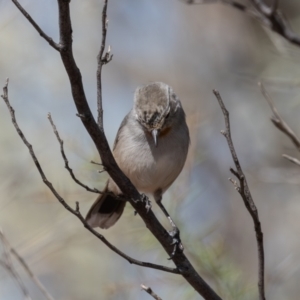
{"points": [[178, 247], [147, 202]]}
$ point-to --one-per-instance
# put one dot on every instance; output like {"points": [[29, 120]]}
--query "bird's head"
{"points": [[155, 108]]}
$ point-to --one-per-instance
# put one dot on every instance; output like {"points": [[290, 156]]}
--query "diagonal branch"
{"points": [[76, 211], [61, 143], [25, 266], [36, 26], [280, 124], [235, 4], [269, 16], [278, 120], [292, 159], [246, 196], [8, 265], [108, 161]]}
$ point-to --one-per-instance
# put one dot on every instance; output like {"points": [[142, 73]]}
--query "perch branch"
{"points": [[76, 211], [109, 163], [246, 196], [97, 134]]}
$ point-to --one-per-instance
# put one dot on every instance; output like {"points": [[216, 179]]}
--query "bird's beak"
{"points": [[155, 135]]}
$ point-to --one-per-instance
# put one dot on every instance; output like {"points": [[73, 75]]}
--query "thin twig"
{"points": [[268, 16], [26, 267], [95, 163], [76, 211], [150, 292], [233, 3], [36, 26], [246, 196], [102, 60], [61, 143], [8, 265], [278, 120], [292, 159]]}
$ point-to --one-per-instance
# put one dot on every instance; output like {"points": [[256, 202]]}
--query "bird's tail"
{"points": [[106, 210]]}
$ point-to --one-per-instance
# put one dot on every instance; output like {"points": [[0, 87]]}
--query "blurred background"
{"points": [[194, 49]]}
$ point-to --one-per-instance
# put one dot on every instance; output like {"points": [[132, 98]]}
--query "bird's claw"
{"points": [[175, 234], [147, 202]]}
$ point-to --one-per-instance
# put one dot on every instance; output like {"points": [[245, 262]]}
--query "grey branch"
{"points": [[7, 264], [10, 249], [62, 151], [280, 124], [36, 26], [271, 16], [150, 292], [102, 60], [244, 191], [76, 211], [278, 120], [292, 159]]}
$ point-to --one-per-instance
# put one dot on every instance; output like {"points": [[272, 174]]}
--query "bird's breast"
{"points": [[149, 167]]}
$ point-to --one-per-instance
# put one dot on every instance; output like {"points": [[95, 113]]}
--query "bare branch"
{"points": [[95, 163], [26, 267], [233, 3], [246, 196], [8, 265], [98, 164], [292, 159], [36, 26], [269, 16], [102, 60], [150, 292], [76, 211], [278, 121], [61, 143]]}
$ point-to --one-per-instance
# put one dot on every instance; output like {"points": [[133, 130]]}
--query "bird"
{"points": [[150, 147]]}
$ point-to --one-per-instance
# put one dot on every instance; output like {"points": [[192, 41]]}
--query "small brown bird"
{"points": [[151, 147]]}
